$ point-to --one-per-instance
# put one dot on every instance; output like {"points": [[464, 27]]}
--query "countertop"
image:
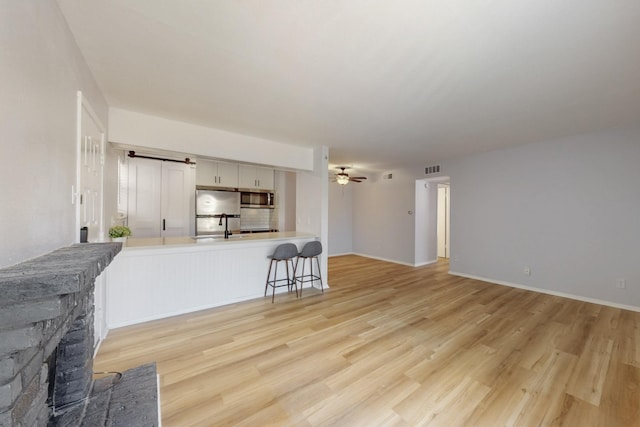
{"points": [[133, 243]]}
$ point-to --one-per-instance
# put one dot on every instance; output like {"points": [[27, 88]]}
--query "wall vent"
{"points": [[431, 169], [387, 176]]}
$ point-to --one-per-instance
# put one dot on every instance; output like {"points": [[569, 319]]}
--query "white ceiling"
{"points": [[381, 83]]}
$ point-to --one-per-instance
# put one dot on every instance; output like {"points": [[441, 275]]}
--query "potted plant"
{"points": [[119, 233]]}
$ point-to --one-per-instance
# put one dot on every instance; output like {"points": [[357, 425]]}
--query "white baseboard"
{"points": [[342, 254], [548, 292], [384, 259], [429, 262], [421, 264]]}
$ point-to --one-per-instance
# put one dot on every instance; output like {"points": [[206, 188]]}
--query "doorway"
{"points": [[444, 231], [432, 220]]}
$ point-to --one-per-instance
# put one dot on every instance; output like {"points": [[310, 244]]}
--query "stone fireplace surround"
{"points": [[46, 318]]}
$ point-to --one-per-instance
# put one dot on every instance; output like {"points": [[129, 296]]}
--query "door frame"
{"points": [[83, 103], [427, 215]]}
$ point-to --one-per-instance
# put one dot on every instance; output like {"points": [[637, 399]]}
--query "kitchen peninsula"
{"points": [[153, 278]]}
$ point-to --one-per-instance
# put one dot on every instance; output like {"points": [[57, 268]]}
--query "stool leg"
{"points": [[266, 286], [291, 281], [286, 265], [295, 273], [295, 282], [319, 275], [275, 277], [304, 262]]}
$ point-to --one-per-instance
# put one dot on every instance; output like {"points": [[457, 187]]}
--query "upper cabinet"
{"points": [[256, 177], [217, 174]]}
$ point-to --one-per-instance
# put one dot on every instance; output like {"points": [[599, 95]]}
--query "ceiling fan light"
{"points": [[342, 180]]}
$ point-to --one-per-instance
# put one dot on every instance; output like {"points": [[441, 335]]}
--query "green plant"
{"points": [[119, 231]]}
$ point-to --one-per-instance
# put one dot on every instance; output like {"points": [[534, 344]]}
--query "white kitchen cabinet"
{"points": [[256, 177], [217, 174], [161, 198]]}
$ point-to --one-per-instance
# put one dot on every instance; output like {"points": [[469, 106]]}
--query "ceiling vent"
{"points": [[387, 176], [431, 169]]}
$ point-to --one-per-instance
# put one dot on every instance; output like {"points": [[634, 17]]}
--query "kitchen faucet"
{"points": [[227, 233]]}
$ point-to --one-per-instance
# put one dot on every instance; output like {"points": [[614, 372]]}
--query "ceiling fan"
{"points": [[343, 178]]}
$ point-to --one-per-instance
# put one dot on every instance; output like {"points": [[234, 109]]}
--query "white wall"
{"points": [[312, 202], [42, 70], [569, 209], [340, 218], [129, 128]]}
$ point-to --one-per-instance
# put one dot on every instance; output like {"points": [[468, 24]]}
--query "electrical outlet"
{"points": [[526, 271], [621, 283]]}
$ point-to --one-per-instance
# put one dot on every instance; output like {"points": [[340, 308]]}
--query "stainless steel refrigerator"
{"points": [[210, 205]]}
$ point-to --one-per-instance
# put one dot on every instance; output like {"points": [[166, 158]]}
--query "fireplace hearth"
{"points": [[47, 346]]}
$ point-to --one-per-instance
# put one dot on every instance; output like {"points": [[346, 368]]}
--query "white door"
{"points": [[145, 181], [176, 197], [91, 140], [161, 198]]}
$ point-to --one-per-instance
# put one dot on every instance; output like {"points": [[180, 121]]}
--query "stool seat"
{"points": [[283, 252], [309, 251]]}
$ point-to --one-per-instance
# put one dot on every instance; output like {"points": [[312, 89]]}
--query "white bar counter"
{"points": [[153, 278]]}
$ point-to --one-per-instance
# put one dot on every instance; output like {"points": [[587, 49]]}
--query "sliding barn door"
{"points": [[160, 198]]}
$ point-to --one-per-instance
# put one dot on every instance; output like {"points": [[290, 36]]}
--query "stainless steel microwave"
{"points": [[255, 199]]}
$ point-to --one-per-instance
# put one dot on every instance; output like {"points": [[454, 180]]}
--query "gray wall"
{"points": [[569, 209], [42, 69], [382, 225], [340, 218]]}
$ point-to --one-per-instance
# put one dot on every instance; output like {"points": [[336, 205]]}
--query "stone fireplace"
{"points": [[47, 346]]}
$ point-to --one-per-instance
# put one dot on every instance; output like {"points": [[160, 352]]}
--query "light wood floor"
{"points": [[395, 346]]}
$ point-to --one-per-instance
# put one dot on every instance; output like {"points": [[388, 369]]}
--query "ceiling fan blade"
{"points": [[354, 180], [358, 177]]}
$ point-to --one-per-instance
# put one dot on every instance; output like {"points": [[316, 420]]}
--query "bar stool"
{"points": [[284, 252], [309, 251]]}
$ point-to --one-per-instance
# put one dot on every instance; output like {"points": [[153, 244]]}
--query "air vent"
{"points": [[387, 176], [431, 169]]}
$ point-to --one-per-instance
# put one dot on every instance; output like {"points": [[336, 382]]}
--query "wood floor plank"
{"points": [[392, 345]]}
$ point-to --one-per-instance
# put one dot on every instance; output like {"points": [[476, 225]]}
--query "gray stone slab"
{"points": [[33, 368], [9, 393], [8, 369], [134, 400], [20, 339], [130, 401], [63, 271], [30, 312], [6, 419], [35, 410]]}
